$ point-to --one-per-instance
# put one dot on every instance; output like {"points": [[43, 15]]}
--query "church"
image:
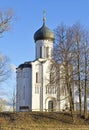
{"points": [[33, 92]]}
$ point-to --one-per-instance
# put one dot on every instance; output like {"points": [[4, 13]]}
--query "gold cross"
{"points": [[44, 16]]}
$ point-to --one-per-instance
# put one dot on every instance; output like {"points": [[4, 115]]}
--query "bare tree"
{"points": [[86, 71], [14, 100], [85, 80], [68, 52], [78, 35], [5, 25], [5, 21], [2, 104], [4, 68], [64, 55]]}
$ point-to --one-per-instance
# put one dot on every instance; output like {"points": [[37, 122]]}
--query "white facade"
{"points": [[33, 89]]}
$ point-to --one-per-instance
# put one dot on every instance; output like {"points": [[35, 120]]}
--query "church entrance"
{"points": [[50, 106]]}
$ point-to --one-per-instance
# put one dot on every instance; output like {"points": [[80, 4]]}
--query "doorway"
{"points": [[50, 106]]}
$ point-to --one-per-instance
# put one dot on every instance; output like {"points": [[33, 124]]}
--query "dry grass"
{"points": [[42, 121]]}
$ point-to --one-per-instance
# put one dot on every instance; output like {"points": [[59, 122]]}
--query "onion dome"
{"points": [[44, 33]]}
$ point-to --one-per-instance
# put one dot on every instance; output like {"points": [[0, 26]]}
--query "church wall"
{"points": [[24, 89], [35, 87], [40, 98], [49, 90]]}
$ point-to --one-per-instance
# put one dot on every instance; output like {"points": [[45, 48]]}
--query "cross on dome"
{"points": [[44, 16]]}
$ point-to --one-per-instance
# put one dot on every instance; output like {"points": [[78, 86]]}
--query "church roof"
{"points": [[43, 33], [25, 65]]}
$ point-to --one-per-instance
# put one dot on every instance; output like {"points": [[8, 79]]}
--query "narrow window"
{"points": [[36, 53], [50, 78], [47, 52], [51, 53], [37, 77], [40, 52], [24, 92]]}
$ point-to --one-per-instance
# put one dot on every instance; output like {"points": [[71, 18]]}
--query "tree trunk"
{"points": [[85, 101], [85, 89], [79, 81]]}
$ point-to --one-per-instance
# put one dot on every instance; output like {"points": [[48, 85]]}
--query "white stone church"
{"points": [[33, 91]]}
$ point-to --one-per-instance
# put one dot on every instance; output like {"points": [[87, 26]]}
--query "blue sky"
{"points": [[18, 44]]}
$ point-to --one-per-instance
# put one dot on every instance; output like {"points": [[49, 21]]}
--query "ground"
{"points": [[42, 121]]}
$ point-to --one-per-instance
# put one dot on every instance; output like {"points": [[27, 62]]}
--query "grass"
{"points": [[42, 121]]}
